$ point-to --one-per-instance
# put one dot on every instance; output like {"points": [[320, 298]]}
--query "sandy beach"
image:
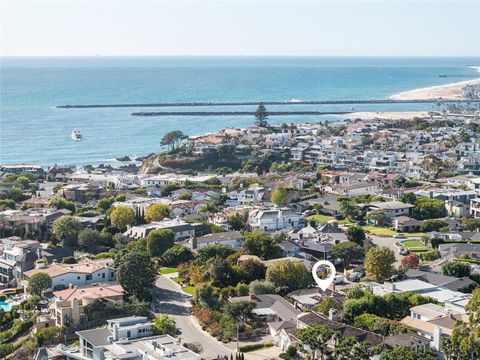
{"points": [[448, 91], [392, 115]]}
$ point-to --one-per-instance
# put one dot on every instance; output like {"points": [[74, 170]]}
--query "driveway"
{"points": [[171, 300], [390, 243]]}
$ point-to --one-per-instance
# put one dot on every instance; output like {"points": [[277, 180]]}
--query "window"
{"points": [[88, 277]]}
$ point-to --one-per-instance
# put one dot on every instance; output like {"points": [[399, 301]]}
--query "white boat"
{"points": [[76, 135]]}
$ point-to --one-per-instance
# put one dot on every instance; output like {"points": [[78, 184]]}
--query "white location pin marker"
{"points": [[324, 283]]}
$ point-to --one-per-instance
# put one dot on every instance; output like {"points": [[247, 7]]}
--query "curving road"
{"points": [[170, 299]]}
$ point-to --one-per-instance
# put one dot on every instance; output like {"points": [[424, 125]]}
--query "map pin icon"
{"points": [[324, 283]]}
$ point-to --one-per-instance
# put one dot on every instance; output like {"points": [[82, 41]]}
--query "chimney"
{"points": [[332, 314], [437, 338], [115, 332]]}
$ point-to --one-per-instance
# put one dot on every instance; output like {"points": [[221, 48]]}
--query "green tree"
{"points": [[347, 207], [260, 287], [379, 263], [65, 229], [261, 116], [237, 222], [241, 310], [213, 251], [279, 196], [457, 269], [407, 353], [471, 224], [205, 296], [157, 212], [39, 282], [135, 271], [16, 194], [173, 139], [221, 273], [122, 216], [327, 303], [159, 241], [22, 182], [432, 225], [465, 340], [356, 234], [315, 338], [347, 251], [176, 255], [261, 244], [288, 275], [426, 208], [6, 349], [103, 205], [60, 203], [251, 270], [164, 325], [89, 239]]}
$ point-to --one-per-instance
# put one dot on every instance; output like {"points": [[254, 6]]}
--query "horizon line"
{"points": [[237, 55]]}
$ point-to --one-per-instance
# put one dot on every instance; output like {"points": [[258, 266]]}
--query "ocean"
{"points": [[32, 130]]}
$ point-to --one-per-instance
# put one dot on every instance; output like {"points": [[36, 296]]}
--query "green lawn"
{"points": [[188, 289], [168, 270], [414, 245], [320, 218], [177, 280], [387, 231], [379, 231]]}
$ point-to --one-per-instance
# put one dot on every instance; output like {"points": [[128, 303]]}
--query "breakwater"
{"points": [[229, 113], [246, 103]]}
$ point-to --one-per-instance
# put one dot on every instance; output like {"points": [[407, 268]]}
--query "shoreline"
{"points": [[451, 91]]}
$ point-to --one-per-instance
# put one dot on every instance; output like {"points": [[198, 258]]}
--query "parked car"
{"points": [[403, 251], [400, 236], [361, 223], [355, 276], [338, 279]]}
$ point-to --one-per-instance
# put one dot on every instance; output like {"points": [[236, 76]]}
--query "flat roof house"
{"points": [[129, 338]]}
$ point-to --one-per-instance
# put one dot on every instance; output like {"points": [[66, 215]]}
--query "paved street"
{"points": [[171, 300]]}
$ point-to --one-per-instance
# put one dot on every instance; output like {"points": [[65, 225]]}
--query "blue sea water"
{"points": [[33, 130]]}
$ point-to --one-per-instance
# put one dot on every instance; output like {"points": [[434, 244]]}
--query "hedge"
{"points": [[253, 347]]}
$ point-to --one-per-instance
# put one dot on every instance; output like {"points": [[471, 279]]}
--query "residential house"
{"points": [[354, 189], [128, 338], [233, 239], [84, 272], [181, 229], [433, 322], [406, 224], [68, 308], [275, 219], [389, 209]]}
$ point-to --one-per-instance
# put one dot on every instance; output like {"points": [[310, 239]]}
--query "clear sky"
{"points": [[238, 27]]}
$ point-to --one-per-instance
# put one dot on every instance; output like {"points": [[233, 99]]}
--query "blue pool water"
{"points": [[5, 306], [32, 130]]}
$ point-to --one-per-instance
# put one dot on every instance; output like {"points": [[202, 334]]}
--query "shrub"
{"points": [[253, 347], [48, 333], [430, 255]]}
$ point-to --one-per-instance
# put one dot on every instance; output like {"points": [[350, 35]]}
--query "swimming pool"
{"points": [[5, 306]]}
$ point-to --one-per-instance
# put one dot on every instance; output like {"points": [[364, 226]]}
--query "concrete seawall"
{"points": [[246, 103], [226, 113]]}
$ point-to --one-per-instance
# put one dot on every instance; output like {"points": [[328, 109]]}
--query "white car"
{"points": [[399, 236], [338, 279]]}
